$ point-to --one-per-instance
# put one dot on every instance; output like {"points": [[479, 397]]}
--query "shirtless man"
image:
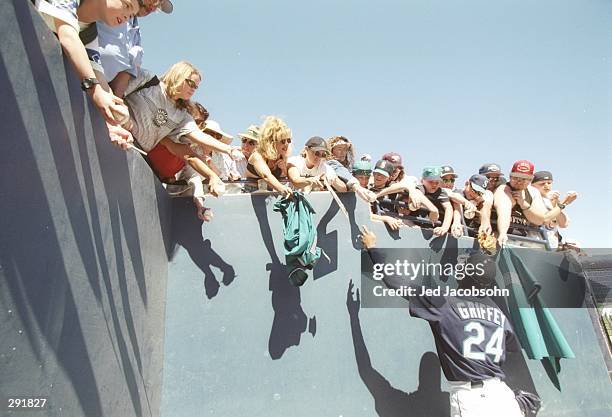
{"points": [[517, 202]]}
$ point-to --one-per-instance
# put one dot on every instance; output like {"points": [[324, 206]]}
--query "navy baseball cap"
{"points": [[542, 176], [479, 183], [448, 170], [317, 143], [384, 167], [488, 169]]}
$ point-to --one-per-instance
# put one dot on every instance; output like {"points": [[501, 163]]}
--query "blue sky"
{"points": [[439, 82]]}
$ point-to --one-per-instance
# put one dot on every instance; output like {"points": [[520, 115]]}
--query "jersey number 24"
{"points": [[494, 346]]}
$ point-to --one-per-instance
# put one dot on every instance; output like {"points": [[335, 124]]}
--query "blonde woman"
{"points": [[158, 109], [342, 150], [268, 161]]}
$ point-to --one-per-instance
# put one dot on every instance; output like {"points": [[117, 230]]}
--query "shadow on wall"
{"points": [[328, 241], [429, 400], [289, 321], [32, 250], [187, 232]]}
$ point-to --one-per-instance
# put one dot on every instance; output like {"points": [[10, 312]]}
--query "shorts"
{"points": [[491, 397]]}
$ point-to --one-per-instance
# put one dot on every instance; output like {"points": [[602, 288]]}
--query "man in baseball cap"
{"points": [[381, 174], [448, 177], [430, 187], [518, 203], [476, 192], [493, 173], [317, 144], [362, 171], [555, 217], [398, 173], [249, 140]]}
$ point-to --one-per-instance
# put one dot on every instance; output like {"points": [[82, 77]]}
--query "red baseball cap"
{"points": [[522, 169], [394, 158]]}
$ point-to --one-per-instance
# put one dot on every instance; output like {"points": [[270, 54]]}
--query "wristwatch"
{"points": [[88, 83], [561, 205]]}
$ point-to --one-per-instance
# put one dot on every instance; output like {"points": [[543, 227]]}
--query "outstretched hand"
{"points": [[286, 192], [367, 237], [110, 106], [119, 136], [570, 197]]}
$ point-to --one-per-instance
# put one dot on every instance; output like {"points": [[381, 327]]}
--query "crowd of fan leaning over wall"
{"points": [[156, 116]]}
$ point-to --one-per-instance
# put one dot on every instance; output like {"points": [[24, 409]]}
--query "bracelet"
{"points": [[561, 205]]}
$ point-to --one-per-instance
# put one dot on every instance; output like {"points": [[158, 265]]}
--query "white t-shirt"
{"points": [[300, 163], [241, 167], [154, 115], [225, 164]]}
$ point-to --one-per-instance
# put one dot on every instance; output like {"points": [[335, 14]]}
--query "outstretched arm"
{"points": [[503, 206], [74, 49], [200, 138], [264, 172]]}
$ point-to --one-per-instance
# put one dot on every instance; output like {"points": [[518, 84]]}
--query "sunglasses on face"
{"points": [[475, 191], [284, 141], [448, 180], [191, 83], [321, 154], [249, 141], [493, 179]]}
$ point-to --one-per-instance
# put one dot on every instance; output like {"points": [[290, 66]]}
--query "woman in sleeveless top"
{"points": [[268, 161]]}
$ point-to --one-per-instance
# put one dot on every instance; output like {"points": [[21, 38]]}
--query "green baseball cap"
{"points": [[432, 173], [364, 167]]}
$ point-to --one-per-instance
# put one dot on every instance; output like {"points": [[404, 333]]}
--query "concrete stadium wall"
{"points": [[83, 233], [116, 301], [241, 341]]}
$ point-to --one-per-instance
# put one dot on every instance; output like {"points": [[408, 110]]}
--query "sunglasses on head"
{"points": [[249, 141], [362, 172], [191, 83], [283, 141]]}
